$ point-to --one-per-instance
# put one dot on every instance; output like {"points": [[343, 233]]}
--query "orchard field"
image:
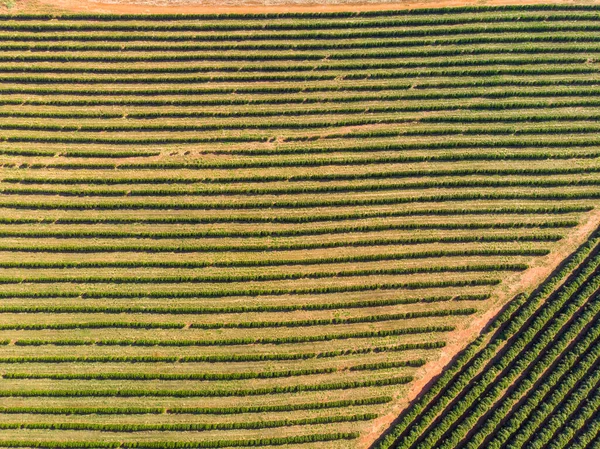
{"points": [[532, 380], [261, 230]]}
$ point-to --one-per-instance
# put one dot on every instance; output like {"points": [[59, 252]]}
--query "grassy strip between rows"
{"points": [[312, 162], [302, 189], [259, 70], [341, 109], [279, 262], [292, 178]]}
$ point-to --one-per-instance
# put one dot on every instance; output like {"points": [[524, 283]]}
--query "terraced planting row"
{"points": [[235, 231]]}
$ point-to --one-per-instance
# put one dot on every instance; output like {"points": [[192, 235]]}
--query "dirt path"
{"points": [[247, 6], [526, 281]]}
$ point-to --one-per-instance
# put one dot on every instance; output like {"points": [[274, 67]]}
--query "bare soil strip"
{"points": [[250, 6]]}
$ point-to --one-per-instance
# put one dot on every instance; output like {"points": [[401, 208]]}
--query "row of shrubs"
{"points": [[305, 203], [388, 365], [195, 410], [230, 358], [189, 427], [239, 341], [414, 285], [314, 66], [583, 419], [264, 52], [117, 234], [337, 321], [472, 131], [298, 45], [338, 110], [417, 285], [173, 310], [424, 132], [339, 88], [491, 268], [278, 247], [282, 262], [394, 174], [419, 94], [357, 215], [259, 442], [92, 325], [86, 154], [385, 175], [213, 393], [315, 162], [346, 33], [213, 376], [187, 376], [241, 325], [298, 190], [304, 55]]}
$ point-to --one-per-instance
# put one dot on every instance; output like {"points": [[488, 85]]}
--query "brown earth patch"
{"points": [[249, 6]]}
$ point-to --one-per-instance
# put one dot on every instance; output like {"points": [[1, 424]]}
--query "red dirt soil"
{"points": [[248, 6]]}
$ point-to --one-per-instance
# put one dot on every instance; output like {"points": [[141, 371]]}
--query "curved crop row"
{"points": [[206, 393], [196, 427], [232, 358], [239, 341], [194, 410], [491, 268], [173, 310]]}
